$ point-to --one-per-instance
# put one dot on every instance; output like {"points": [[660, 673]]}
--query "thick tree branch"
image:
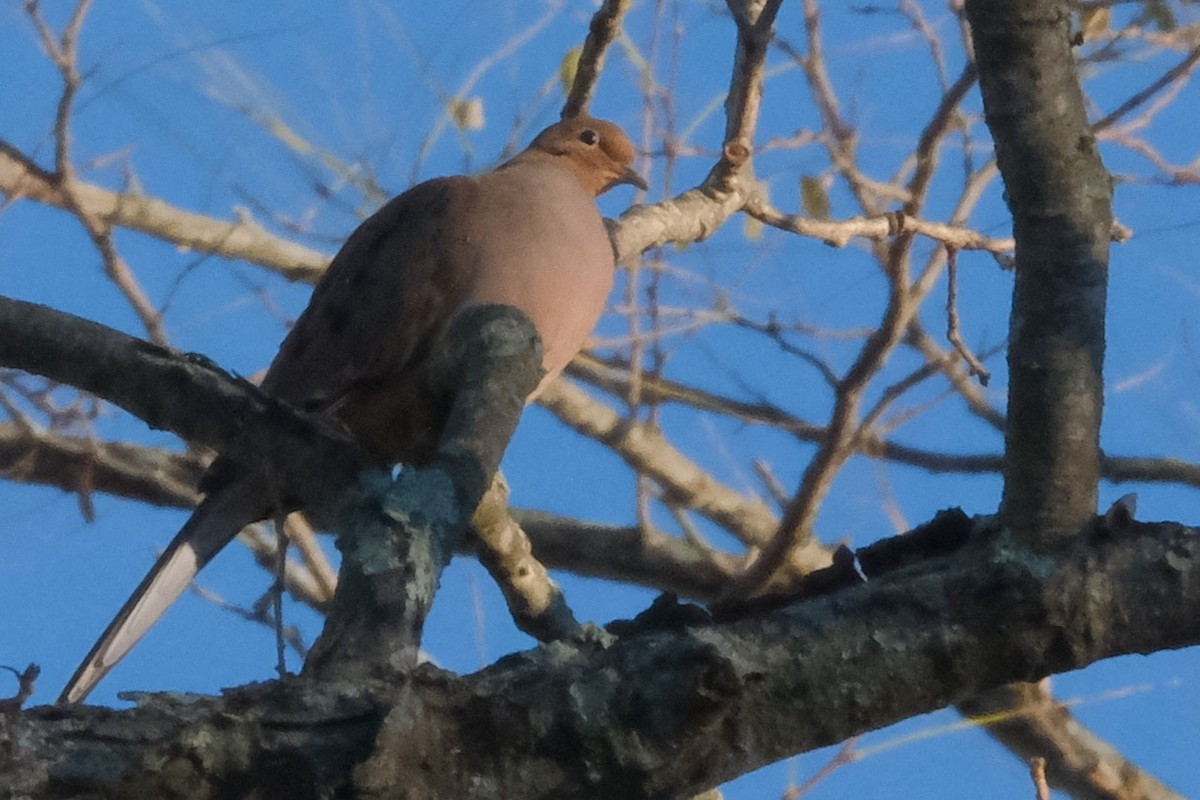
{"points": [[188, 395], [1060, 196], [389, 571], [396, 537], [674, 704]]}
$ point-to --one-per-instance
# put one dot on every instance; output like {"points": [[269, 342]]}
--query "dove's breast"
{"points": [[548, 254]]}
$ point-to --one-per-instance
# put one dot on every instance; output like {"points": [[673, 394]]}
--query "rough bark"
{"points": [[183, 393], [397, 536], [1060, 196], [671, 704]]}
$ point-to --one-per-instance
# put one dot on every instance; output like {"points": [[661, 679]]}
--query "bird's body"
{"points": [[527, 234]]}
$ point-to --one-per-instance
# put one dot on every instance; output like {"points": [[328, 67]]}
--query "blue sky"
{"points": [[176, 97]]}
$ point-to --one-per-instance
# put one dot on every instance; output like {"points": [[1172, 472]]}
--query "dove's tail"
{"points": [[213, 525]]}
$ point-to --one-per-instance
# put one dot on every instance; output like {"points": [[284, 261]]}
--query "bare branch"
{"points": [[146, 474], [536, 603], [689, 217], [838, 233], [705, 679], [603, 29], [953, 332], [242, 239], [1179, 72], [185, 394], [755, 28], [1027, 719]]}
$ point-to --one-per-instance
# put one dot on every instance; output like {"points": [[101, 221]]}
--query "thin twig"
{"points": [[281, 543], [505, 51], [770, 481], [1175, 73], [64, 53], [879, 228], [839, 136], [953, 333]]}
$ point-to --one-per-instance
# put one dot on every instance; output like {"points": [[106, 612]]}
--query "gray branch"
{"points": [[183, 393], [1060, 196], [674, 704]]}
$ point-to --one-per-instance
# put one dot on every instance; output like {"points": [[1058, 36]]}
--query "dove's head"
{"points": [[597, 151]]}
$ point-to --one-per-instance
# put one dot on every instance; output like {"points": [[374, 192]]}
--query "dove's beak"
{"points": [[630, 175]]}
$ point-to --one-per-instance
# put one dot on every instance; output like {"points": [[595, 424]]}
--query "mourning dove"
{"points": [[527, 234]]}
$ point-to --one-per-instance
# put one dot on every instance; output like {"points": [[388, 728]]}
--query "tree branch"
{"points": [[1060, 196], [397, 536], [1032, 723], [243, 239], [186, 394], [603, 29], [674, 705]]}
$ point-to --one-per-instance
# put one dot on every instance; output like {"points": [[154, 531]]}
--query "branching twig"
{"points": [[242, 239], [65, 53], [26, 684], [838, 233], [961, 380], [462, 93], [605, 25], [755, 28], [840, 136]]}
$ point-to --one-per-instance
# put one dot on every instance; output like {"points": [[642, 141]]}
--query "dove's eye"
{"points": [[589, 137]]}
